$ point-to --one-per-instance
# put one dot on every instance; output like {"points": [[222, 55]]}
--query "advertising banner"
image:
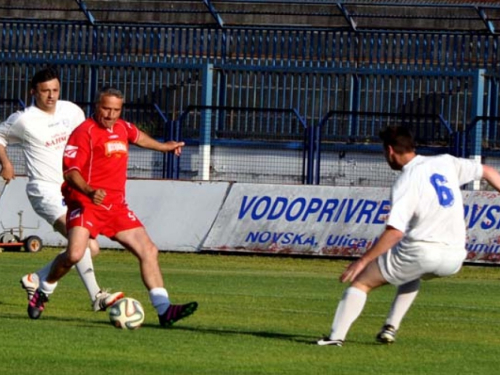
{"points": [[332, 221], [482, 217], [312, 220]]}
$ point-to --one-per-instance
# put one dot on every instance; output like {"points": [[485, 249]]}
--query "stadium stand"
{"points": [[271, 91]]}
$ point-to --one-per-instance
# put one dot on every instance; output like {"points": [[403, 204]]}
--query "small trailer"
{"points": [[12, 238]]}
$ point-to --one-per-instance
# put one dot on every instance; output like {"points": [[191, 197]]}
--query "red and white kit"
{"points": [[101, 157]]}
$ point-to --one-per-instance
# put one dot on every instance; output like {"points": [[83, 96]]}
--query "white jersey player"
{"points": [[42, 131], [424, 235]]}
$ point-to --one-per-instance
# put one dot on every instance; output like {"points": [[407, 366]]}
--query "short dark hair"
{"points": [[399, 138], [44, 75], [108, 91]]}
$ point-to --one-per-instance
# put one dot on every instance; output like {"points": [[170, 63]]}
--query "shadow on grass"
{"points": [[301, 339], [262, 334]]}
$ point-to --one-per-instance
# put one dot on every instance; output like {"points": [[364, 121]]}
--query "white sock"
{"points": [[85, 269], [350, 307], [42, 274], [405, 296], [47, 288], [159, 299]]}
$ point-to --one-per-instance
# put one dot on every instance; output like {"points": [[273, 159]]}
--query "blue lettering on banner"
{"points": [[282, 238], [484, 216], [485, 248], [347, 210], [315, 209]]}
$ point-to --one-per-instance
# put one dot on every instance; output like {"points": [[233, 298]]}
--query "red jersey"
{"points": [[101, 157]]}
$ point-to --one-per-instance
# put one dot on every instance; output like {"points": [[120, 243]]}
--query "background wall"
{"points": [[264, 218]]}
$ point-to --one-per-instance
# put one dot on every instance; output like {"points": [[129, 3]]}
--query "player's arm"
{"points": [[10, 133], [389, 238], [7, 167], [492, 176], [76, 181], [145, 141]]}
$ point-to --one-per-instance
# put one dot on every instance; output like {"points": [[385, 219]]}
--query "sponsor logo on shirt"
{"points": [[56, 141], [75, 214], [70, 151], [64, 122], [117, 148]]}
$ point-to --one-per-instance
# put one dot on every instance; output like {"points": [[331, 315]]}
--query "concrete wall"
{"points": [[263, 218]]}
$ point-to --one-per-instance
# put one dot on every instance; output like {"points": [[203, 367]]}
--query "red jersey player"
{"points": [[95, 173]]}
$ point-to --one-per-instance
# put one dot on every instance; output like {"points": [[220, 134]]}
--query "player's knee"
{"points": [[73, 256], [145, 251], [152, 250]]}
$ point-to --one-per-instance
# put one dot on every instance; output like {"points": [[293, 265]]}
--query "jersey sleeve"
{"points": [[468, 170], [77, 151], [11, 130], [132, 132]]}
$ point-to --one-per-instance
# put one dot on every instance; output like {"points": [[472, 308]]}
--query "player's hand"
{"points": [[8, 172], [97, 196], [353, 270], [175, 147]]}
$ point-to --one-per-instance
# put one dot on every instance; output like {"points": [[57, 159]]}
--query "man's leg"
{"points": [[352, 303], [77, 243], [85, 268], [404, 298], [139, 243]]}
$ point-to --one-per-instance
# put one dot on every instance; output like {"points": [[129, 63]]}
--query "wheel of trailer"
{"points": [[8, 238], [33, 244]]}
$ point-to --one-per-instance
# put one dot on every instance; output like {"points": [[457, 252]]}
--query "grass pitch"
{"points": [[256, 315]]}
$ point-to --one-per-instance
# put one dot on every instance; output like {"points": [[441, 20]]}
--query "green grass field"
{"points": [[257, 315]]}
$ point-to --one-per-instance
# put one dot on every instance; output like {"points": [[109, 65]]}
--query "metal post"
{"points": [[206, 123], [477, 110]]}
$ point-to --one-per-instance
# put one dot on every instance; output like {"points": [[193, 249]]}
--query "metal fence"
{"points": [[278, 104]]}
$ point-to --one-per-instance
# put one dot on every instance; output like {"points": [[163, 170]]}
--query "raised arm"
{"points": [[145, 141], [7, 168], [492, 176]]}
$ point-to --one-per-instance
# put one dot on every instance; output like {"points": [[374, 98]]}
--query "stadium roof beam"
{"points": [[403, 15], [84, 9], [489, 24]]}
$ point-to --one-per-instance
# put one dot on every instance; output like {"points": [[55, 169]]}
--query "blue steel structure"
{"points": [[211, 72]]}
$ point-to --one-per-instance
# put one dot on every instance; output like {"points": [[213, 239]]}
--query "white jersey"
{"points": [[427, 202], [42, 137]]}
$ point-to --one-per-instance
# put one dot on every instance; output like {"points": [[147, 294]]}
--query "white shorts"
{"points": [[420, 261], [46, 199]]}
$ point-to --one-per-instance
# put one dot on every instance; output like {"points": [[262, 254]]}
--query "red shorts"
{"points": [[100, 220]]}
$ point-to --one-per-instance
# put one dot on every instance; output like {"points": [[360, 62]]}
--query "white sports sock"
{"points": [[350, 307], [85, 269], [404, 298], [44, 272], [47, 288], [159, 299]]}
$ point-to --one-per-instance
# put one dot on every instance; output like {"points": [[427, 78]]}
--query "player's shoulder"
{"points": [[66, 105], [85, 127], [126, 124], [22, 117], [434, 159], [16, 116]]}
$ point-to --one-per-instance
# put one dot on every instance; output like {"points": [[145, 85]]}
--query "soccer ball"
{"points": [[126, 313]]}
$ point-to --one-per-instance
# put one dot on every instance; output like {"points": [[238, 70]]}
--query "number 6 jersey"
{"points": [[427, 201]]}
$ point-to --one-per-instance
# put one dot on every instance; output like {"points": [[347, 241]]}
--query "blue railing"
{"points": [[344, 81]]}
